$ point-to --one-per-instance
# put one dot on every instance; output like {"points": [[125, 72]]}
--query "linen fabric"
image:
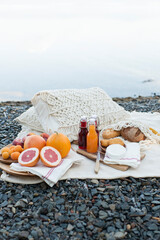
{"points": [[131, 157], [50, 175]]}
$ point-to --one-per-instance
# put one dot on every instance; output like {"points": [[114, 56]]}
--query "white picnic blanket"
{"points": [[149, 167]]}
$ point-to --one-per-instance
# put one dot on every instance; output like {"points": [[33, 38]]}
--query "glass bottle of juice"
{"points": [[92, 138], [96, 125], [82, 135]]}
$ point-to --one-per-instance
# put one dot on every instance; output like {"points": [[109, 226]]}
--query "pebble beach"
{"points": [[75, 209]]}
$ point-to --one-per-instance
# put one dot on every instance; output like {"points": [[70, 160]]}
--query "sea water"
{"points": [[79, 44]]}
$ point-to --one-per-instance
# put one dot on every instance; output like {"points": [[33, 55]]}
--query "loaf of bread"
{"points": [[110, 133], [132, 134]]}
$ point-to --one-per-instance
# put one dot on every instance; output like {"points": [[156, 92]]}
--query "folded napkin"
{"points": [[50, 175], [131, 158]]}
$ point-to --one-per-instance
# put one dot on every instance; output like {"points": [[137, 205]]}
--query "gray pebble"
{"points": [[112, 207], [156, 208], [34, 234], [102, 214], [20, 204], [81, 208], [4, 204], [120, 235], [153, 227], [70, 227]]}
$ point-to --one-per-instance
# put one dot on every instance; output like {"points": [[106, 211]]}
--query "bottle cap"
{"points": [[83, 122], [84, 118], [91, 121], [96, 119]]}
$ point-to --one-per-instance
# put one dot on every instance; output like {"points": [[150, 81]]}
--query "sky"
{"points": [[64, 44]]}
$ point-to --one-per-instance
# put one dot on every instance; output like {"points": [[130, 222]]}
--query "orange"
{"points": [[5, 149], [35, 141], [60, 142], [5, 155], [50, 157], [18, 148], [12, 146], [29, 157], [11, 150], [15, 155]]}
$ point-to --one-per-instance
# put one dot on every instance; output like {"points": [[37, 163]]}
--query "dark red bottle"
{"points": [[82, 135]]}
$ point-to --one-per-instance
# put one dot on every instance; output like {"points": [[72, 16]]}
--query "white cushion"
{"points": [[60, 110]]}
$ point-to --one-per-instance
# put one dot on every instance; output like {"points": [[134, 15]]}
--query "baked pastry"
{"points": [[110, 133], [116, 141], [132, 134], [106, 142]]}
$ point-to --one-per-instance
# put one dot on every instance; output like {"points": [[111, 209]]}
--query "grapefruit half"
{"points": [[29, 157], [50, 157]]}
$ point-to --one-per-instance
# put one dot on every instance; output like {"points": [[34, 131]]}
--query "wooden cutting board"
{"points": [[94, 156], [7, 169], [7, 161], [5, 166]]}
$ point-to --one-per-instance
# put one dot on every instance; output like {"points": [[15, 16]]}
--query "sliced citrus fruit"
{"points": [[50, 157], [29, 157]]}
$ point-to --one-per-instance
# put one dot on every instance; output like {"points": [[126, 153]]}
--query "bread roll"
{"points": [[110, 133], [116, 141], [104, 142]]}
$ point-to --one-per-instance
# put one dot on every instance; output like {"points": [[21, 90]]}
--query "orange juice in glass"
{"points": [[92, 137]]}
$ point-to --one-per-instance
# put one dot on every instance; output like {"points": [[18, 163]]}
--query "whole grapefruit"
{"points": [[34, 141], [60, 142]]}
